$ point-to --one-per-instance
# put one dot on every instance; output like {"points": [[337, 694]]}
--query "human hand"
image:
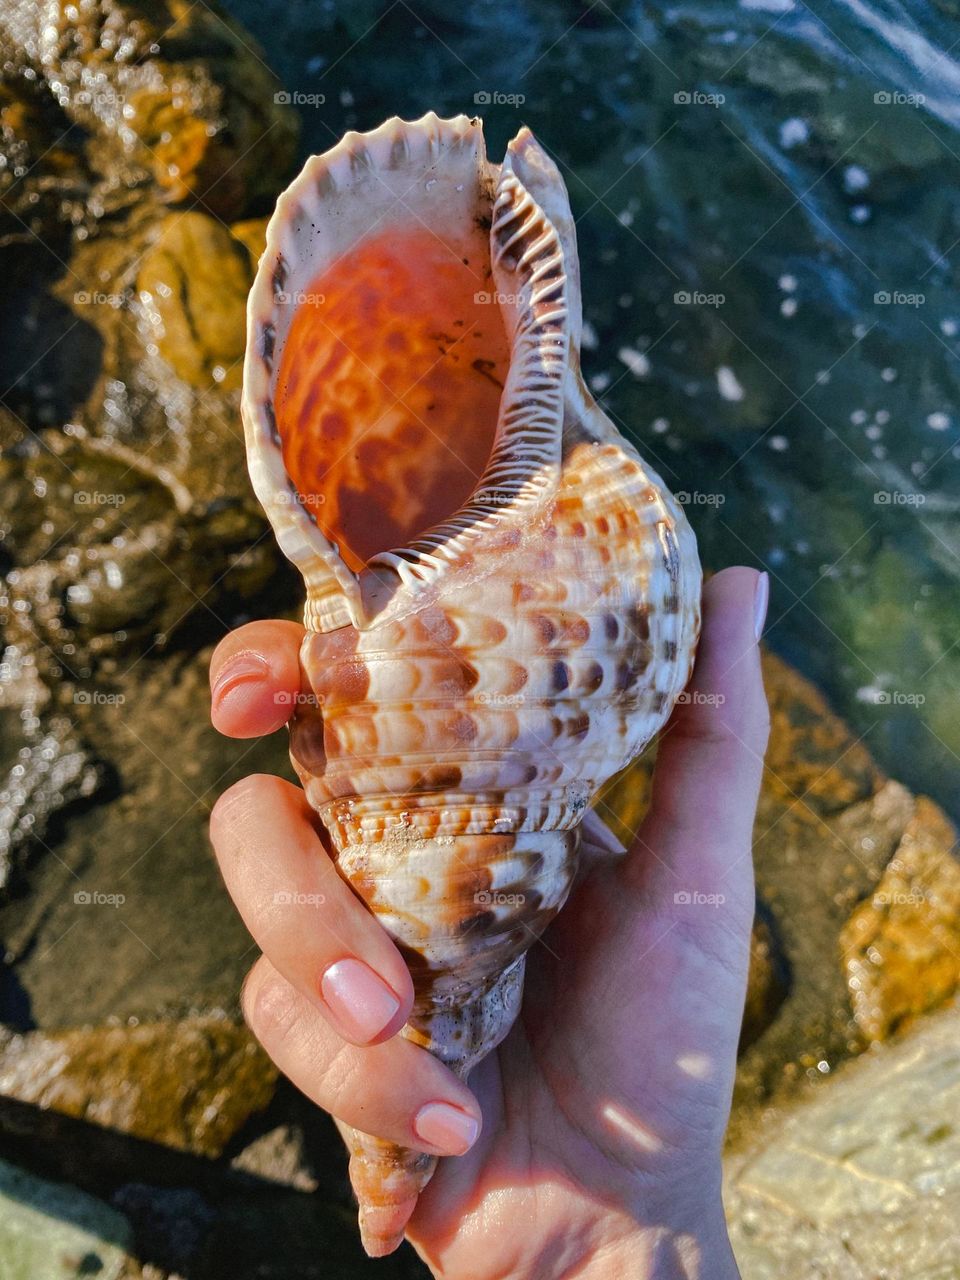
{"points": [[603, 1112]]}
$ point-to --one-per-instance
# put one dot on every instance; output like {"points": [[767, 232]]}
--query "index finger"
{"points": [[255, 677]]}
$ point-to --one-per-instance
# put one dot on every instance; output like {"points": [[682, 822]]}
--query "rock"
{"points": [[279, 1156], [189, 1084], [828, 825], [769, 980], [901, 946], [168, 96], [53, 770], [861, 1180], [169, 1223], [49, 1231], [175, 943], [193, 283]]}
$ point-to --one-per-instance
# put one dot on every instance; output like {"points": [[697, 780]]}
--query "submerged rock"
{"points": [[861, 1180], [901, 946], [858, 922], [49, 1231]]}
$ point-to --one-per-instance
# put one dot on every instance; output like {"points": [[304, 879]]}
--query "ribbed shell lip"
{"points": [[530, 264]]}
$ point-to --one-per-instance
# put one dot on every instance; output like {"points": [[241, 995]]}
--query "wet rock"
{"points": [[56, 1232], [174, 942], [861, 1180], [168, 97], [769, 980], [189, 1084], [831, 833], [901, 946], [51, 772], [44, 177], [193, 283]]}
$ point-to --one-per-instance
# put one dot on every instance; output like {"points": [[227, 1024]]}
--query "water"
{"points": [[769, 230]]}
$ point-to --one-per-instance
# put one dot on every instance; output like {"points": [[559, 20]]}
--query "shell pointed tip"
{"points": [[382, 1226]]}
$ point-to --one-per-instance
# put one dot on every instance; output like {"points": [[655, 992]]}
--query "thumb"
{"points": [[697, 834]]}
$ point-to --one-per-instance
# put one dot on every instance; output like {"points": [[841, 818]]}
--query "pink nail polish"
{"points": [[360, 1001], [242, 668], [760, 601], [446, 1127]]}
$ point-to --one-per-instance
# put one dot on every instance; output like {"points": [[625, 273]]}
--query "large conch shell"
{"points": [[502, 598]]}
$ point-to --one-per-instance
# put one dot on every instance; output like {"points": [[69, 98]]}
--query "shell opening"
{"points": [[388, 389]]}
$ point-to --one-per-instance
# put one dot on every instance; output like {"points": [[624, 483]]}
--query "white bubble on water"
{"points": [[793, 132], [728, 384], [636, 361], [938, 421], [855, 179]]}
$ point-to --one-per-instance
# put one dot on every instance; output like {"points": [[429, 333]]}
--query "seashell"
{"points": [[502, 597]]}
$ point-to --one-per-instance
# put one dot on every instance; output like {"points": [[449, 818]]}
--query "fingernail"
{"points": [[242, 668], [360, 1001], [446, 1127], [760, 601]]}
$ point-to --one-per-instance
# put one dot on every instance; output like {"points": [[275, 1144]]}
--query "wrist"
{"points": [[684, 1237]]}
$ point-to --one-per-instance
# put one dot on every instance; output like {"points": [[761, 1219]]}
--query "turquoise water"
{"points": [[769, 231]]}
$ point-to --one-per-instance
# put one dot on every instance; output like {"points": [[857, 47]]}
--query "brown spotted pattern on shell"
{"points": [[502, 598]]}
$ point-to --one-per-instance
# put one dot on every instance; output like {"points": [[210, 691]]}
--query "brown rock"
{"points": [[189, 1085], [901, 946], [856, 884], [193, 283]]}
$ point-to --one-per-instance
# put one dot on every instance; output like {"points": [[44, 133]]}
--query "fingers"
{"points": [[710, 757], [254, 678], [318, 935], [395, 1090]]}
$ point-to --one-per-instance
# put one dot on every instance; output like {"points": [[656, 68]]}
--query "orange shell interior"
{"points": [[388, 390]]}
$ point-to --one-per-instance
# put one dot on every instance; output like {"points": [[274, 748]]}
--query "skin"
{"points": [[604, 1110]]}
